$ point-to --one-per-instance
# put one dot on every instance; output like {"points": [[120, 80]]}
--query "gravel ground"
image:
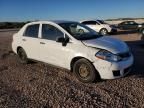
{"points": [[39, 85]]}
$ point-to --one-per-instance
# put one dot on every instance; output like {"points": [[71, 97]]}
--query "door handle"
{"points": [[42, 43], [23, 39]]}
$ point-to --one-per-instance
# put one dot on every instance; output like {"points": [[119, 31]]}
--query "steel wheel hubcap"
{"points": [[104, 32], [83, 71]]}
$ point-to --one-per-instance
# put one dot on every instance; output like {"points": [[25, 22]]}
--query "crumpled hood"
{"points": [[108, 43]]}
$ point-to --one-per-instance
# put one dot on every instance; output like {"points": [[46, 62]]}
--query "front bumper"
{"points": [[113, 70], [114, 30]]}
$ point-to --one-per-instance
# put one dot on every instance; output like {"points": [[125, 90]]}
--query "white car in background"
{"points": [[73, 46], [100, 26]]}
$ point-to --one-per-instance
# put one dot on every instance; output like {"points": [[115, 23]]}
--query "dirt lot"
{"points": [[39, 85]]}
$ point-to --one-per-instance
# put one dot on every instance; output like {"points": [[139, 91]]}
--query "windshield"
{"points": [[79, 31], [101, 21]]}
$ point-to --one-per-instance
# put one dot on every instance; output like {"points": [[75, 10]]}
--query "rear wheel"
{"points": [[22, 56], [103, 31], [85, 71]]}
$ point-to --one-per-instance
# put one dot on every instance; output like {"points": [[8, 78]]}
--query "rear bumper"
{"points": [[14, 49]]}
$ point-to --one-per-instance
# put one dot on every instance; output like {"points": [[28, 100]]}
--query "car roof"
{"points": [[90, 20], [55, 21], [128, 21], [63, 21]]}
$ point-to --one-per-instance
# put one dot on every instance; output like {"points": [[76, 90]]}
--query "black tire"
{"points": [[142, 33], [103, 31], [22, 56], [85, 71]]}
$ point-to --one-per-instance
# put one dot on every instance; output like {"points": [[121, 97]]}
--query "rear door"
{"points": [[30, 41]]}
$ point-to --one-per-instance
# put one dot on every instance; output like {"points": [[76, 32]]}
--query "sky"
{"points": [[30, 10]]}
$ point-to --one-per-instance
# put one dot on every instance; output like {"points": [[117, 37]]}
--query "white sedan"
{"points": [[73, 46], [100, 26]]}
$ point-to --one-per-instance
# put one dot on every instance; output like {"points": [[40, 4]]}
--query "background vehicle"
{"points": [[73, 46], [129, 25], [100, 26], [142, 33]]}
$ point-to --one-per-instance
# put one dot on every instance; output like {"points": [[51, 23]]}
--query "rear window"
{"points": [[32, 31]]}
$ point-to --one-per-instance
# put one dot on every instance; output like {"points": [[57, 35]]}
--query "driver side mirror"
{"points": [[62, 40]]}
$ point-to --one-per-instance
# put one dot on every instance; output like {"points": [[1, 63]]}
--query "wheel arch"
{"points": [[18, 48], [103, 28], [76, 59]]}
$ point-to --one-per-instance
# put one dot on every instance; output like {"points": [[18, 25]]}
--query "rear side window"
{"points": [[50, 32], [32, 31], [132, 22], [89, 22]]}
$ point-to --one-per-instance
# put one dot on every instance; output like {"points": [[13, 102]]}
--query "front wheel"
{"points": [[103, 31], [85, 71]]}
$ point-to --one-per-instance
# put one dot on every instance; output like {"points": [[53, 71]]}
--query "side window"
{"points": [[132, 22], [32, 31], [85, 22], [92, 22], [50, 32], [89, 23]]}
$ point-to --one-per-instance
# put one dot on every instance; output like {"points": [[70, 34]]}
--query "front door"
{"points": [[51, 51]]}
